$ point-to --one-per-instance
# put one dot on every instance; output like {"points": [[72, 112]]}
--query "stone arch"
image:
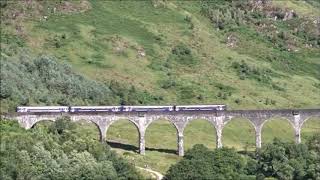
{"points": [[169, 119], [309, 126], [160, 139], [100, 130], [190, 120], [34, 123], [207, 134], [279, 126], [29, 121], [131, 120], [230, 119], [291, 121], [125, 134], [244, 139], [89, 121], [306, 119]]}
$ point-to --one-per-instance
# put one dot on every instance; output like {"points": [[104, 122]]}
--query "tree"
{"points": [[288, 160], [54, 152], [201, 163]]}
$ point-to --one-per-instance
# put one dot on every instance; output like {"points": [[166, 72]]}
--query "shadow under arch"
{"points": [[199, 131], [42, 122], [239, 133], [161, 136], [123, 134], [309, 127], [277, 127]]}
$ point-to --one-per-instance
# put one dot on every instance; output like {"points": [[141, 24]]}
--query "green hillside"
{"points": [[244, 54], [247, 54]]}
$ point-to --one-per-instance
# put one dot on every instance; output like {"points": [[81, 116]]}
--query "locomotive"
{"points": [[73, 109]]}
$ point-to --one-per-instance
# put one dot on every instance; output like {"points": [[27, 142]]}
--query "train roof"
{"points": [[42, 107], [93, 106], [147, 106], [208, 105]]}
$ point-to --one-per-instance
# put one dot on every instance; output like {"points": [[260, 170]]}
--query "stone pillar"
{"points": [[258, 136], [142, 143], [219, 126], [219, 137], [297, 135], [103, 132], [297, 128], [180, 144]]}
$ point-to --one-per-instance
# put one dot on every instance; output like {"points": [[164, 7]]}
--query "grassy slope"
{"points": [[92, 38]]}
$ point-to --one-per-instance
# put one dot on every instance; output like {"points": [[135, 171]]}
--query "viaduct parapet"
{"points": [[179, 119]]}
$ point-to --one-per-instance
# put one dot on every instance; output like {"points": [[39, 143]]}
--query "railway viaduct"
{"points": [[180, 119]]}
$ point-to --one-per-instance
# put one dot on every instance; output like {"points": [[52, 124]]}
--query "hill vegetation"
{"points": [[58, 151], [246, 54]]}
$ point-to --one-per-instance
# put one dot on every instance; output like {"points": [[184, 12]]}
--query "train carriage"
{"points": [[95, 108], [147, 108], [42, 109], [218, 107]]}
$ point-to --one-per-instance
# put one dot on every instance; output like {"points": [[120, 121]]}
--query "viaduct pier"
{"points": [[180, 119]]}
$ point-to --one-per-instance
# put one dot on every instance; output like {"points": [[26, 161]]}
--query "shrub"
{"points": [[183, 55], [263, 76]]}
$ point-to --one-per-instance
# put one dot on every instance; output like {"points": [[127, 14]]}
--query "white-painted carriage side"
{"points": [[94, 108], [147, 108], [43, 109], [200, 107]]}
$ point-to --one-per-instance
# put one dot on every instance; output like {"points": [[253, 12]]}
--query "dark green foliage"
{"points": [[289, 161], [58, 151], [56, 41], [168, 83], [3, 3], [223, 14], [187, 92], [279, 160], [182, 54], [131, 96], [314, 143], [62, 124], [237, 101], [245, 71], [317, 85], [202, 163], [269, 101], [224, 91], [10, 43], [263, 76], [44, 81]]}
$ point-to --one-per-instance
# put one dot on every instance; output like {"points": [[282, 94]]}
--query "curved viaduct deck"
{"points": [[180, 119]]}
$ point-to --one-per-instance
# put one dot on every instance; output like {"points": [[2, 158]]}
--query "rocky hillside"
{"points": [[247, 54]]}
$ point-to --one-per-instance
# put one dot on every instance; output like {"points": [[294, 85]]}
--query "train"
{"points": [[73, 109]]}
